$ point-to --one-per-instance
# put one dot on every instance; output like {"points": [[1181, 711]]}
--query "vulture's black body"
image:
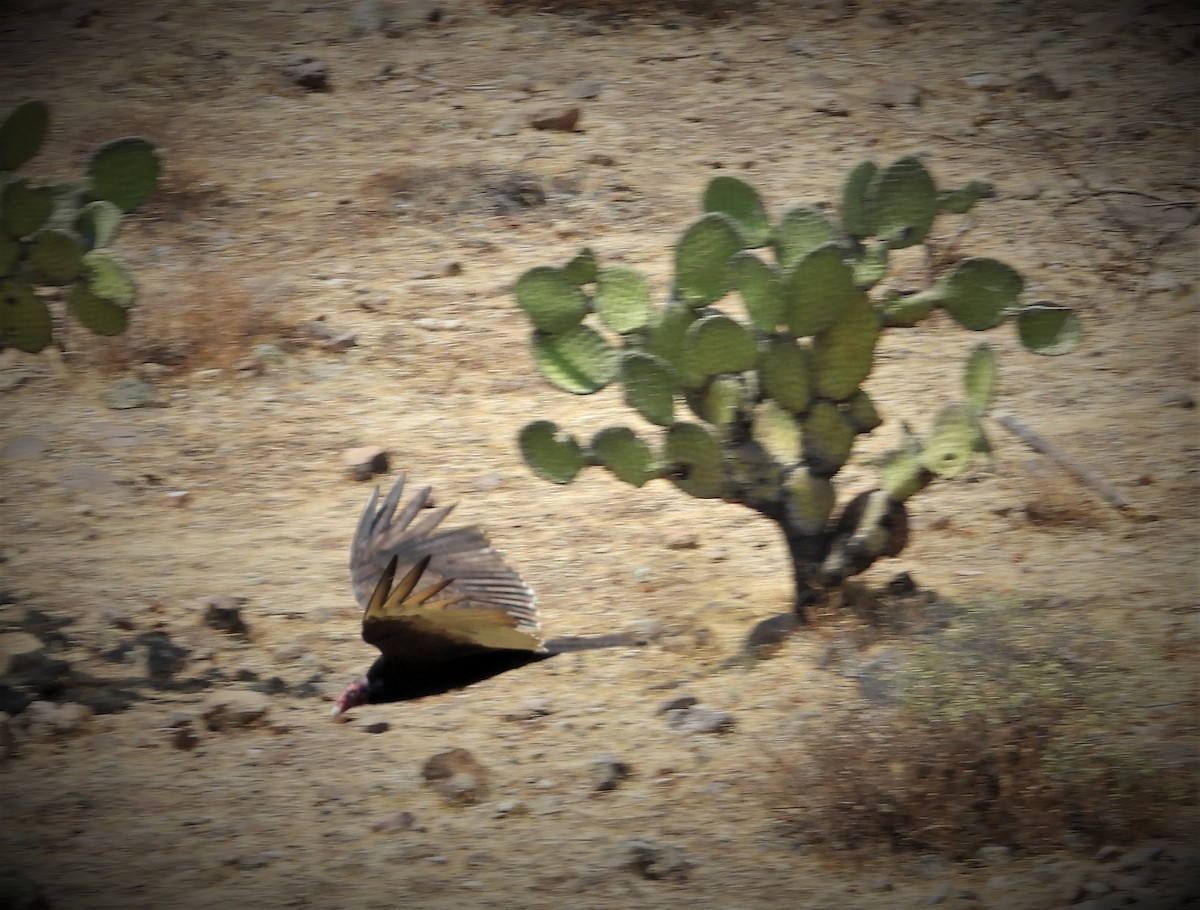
{"points": [[457, 616]]}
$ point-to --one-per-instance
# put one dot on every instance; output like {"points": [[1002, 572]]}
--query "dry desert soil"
{"points": [[370, 232]]}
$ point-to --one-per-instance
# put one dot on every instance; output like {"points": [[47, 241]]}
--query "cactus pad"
{"points": [[810, 499], [25, 322], [952, 442], [802, 230], [871, 267], [842, 355], [649, 386], [905, 312], [693, 460], [719, 402], [97, 223], [856, 217], [1045, 328], [579, 361], [861, 413], [103, 317], [666, 341], [23, 208], [979, 292], [741, 202], [622, 299], [10, 253], [785, 374], [818, 291], [702, 259], [625, 455], [57, 255], [758, 284], [718, 344], [125, 172], [903, 202], [107, 278], [551, 455], [778, 432], [22, 133], [901, 475], [961, 201], [552, 300], [582, 269], [979, 378], [827, 439]]}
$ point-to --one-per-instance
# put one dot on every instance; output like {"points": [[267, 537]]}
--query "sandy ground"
{"points": [[282, 206]]}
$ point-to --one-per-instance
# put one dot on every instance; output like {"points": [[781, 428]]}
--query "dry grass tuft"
{"points": [[987, 735]]}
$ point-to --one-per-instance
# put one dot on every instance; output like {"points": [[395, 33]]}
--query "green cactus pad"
{"points": [[740, 201], [718, 344], [666, 341], [952, 441], [70, 196], [1046, 328], [827, 439], [22, 133], [785, 371], [702, 259], [579, 361], [871, 267], [693, 461], [906, 312], [979, 293], [97, 223], [810, 499], [843, 355], [622, 299], [901, 475], [818, 291], [758, 285], [124, 171], [56, 255], [979, 378], [778, 432], [552, 455], [24, 208], [861, 412], [10, 254], [25, 322], [802, 230], [552, 301], [856, 217], [625, 455], [961, 201], [103, 317], [650, 386], [720, 401], [903, 202], [582, 269], [107, 278]]}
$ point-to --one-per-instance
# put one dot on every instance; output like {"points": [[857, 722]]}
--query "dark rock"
{"points": [[1039, 85], [307, 72], [164, 658], [767, 636], [181, 733], [654, 861], [224, 613], [457, 777], [18, 892], [901, 585], [608, 771], [364, 462], [680, 703], [897, 94], [1179, 399]]}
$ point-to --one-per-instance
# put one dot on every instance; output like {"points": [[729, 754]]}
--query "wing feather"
{"points": [[470, 601]]}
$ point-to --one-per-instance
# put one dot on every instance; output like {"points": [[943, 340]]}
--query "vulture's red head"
{"points": [[355, 695]]}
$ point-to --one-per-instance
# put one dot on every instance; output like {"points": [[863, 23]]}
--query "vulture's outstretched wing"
{"points": [[455, 595]]}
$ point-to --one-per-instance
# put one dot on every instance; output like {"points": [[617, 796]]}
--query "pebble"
{"points": [[129, 392], [608, 771], [457, 777], [585, 89], [1178, 398], [401, 820], [700, 718], [44, 720], [681, 540], [364, 462], [229, 708], [223, 613], [897, 94], [307, 72], [558, 120], [654, 861]]}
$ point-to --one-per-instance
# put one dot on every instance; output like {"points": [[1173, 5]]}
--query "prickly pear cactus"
{"points": [[54, 239], [765, 410]]}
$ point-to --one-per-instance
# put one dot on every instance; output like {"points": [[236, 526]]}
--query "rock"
{"points": [[24, 448], [531, 710], [828, 103], [681, 540], [508, 125], [364, 462], [680, 703], [229, 708], [286, 654], [585, 89], [339, 343], [44, 720], [901, 585], [897, 94], [307, 72], [224, 613], [994, 854], [163, 658], [559, 120], [400, 820], [608, 771], [373, 725], [457, 777], [1039, 85], [181, 733], [129, 392], [767, 636], [700, 718], [392, 17], [799, 46], [430, 324], [654, 861], [984, 82], [1178, 398], [19, 651]]}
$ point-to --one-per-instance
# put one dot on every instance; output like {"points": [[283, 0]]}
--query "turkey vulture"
{"points": [[457, 616]]}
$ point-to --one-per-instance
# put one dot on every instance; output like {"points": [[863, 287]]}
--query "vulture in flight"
{"points": [[440, 605]]}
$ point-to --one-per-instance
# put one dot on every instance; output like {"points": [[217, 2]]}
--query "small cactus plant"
{"points": [[776, 397], [57, 236]]}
